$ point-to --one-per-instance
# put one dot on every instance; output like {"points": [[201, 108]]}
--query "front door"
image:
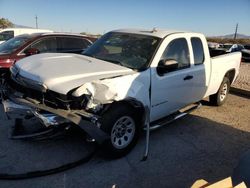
{"points": [[173, 89]]}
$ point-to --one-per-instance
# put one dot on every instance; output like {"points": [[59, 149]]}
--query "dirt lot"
{"points": [[243, 80], [206, 144]]}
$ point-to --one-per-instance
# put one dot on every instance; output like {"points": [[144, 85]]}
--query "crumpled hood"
{"points": [[64, 72]]}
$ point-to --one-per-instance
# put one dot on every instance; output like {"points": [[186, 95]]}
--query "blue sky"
{"points": [[211, 17]]}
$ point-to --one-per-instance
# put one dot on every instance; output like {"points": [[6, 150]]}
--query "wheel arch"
{"points": [[230, 74], [137, 105]]}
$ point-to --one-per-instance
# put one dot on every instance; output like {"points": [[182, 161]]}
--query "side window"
{"points": [[72, 44], [45, 45], [177, 50], [197, 50]]}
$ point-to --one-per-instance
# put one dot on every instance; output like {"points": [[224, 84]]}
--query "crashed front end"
{"points": [[23, 97], [90, 96]]}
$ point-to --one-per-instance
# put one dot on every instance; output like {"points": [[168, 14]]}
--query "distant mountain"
{"points": [[231, 36], [21, 26]]}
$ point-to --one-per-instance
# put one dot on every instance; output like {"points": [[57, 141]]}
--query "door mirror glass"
{"points": [[31, 51], [167, 65]]}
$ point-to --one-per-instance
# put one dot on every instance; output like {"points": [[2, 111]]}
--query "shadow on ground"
{"points": [[187, 150], [23, 156]]}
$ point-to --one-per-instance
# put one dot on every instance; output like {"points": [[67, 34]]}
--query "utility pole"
{"points": [[36, 22], [236, 29]]}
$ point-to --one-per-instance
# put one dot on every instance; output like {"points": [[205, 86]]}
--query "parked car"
{"points": [[226, 48], [233, 47], [9, 33], [246, 53], [126, 81], [247, 46], [213, 45], [26, 45]]}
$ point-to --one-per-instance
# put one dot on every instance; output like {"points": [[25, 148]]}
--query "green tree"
{"points": [[4, 23]]}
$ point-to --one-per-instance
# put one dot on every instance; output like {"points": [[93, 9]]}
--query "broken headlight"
{"points": [[28, 82]]}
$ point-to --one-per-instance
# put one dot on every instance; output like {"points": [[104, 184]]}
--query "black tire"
{"points": [[220, 97], [110, 123]]}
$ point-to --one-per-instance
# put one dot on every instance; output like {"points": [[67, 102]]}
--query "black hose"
{"points": [[33, 174], [39, 173]]}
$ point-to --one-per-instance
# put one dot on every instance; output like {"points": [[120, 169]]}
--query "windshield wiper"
{"points": [[119, 63], [89, 55], [112, 61]]}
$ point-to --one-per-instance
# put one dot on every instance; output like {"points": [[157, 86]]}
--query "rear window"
{"points": [[72, 44], [198, 51]]}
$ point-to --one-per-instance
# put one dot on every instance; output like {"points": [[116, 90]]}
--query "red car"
{"points": [[30, 44]]}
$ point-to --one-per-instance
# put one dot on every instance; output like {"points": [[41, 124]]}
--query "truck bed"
{"points": [[220, 65]]}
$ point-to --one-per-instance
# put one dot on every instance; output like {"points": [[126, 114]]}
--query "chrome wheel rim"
{"points": [[123, 132], [223, 92]]}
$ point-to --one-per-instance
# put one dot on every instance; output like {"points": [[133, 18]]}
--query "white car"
{"points": [[9, 33], [232, 47], [126, 81]]}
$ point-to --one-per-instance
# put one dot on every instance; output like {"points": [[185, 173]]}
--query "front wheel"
{"points": [[121, 123], [220, 97]]}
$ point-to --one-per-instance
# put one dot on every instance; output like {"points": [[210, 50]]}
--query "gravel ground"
{"points": [[243, 80], [206, 144]]}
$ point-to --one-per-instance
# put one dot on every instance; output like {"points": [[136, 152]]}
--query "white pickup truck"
{"points": [[126, 81]]}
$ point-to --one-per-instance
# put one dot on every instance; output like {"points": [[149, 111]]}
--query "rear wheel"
{"points": [[220, 97], [121, 123]]}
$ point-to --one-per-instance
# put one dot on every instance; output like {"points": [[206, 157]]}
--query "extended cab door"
{"points": [[174, 88], [201, 67]]}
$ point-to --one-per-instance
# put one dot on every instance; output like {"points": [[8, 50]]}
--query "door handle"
{"points": [[188, 77]]}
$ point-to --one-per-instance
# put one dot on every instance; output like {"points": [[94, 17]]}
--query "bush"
{"points": [[228, 40]]}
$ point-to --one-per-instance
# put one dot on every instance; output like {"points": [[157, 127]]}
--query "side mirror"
{"points": [[31, 51], [167, 65]]}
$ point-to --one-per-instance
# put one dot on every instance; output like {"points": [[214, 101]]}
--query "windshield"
{"points": [[13, 44], [129, 50]]}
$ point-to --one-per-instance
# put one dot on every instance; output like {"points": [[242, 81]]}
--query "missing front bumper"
{"points": [[20, 108]]}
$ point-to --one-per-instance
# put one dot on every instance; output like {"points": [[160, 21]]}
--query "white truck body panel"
{"points": [[161, 33], [220, 65]]}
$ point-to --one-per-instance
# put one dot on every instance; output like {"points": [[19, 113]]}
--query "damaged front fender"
{"points": [[97, 90], [98, 94], [106, 91]]}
